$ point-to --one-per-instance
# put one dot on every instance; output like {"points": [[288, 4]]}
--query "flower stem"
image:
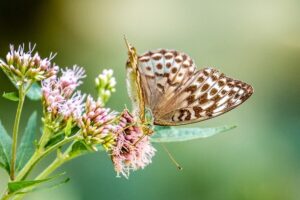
{"points": [[16, 131], [57, 162], [60, 159], [40, 153]]}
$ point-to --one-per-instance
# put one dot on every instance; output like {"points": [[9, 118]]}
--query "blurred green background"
{"points": [[256, 41]]}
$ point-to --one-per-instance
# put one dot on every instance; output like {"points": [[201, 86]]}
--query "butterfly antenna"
{"points": [[127, 43], [171, 157]]}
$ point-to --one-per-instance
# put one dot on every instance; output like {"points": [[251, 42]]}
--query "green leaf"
{"points": [[55, 185], [20, 185], [13, 96], [2, 165], [27, 146], [5, 148], [174, 134], [59, 183], [79, 148], [35, 92], [55, 139]]}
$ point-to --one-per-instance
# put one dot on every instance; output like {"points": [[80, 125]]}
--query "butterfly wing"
{"points": [[162, 72], [178, 94]]}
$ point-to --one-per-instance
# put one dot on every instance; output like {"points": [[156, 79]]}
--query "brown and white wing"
{"points": [[208, 94], [178, 94], [162, 72]]}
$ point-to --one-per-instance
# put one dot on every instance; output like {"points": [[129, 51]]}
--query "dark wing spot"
{"points": [[231, 93], [204, 87], [185, 65], [230, 85], [200, 79], [163, 51], [205, 72], [159, 66], [213, 91], [168, 65], [216, 98], [236, 96], [203, 99], [148, 68], [175, 53], [168, 57], [166, 75], [190, 73], [221, 83], [214, 78], [146, 54], [174, 70], [178, 60], [191, 99], [144, 59], [188, 117], [197, 111], [211, 109], [157, 57], [191, 88], [182, 111], [158, 74]]}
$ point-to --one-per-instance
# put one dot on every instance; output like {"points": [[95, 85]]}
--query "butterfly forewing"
{"points": [[178, 94], [162, 72]]}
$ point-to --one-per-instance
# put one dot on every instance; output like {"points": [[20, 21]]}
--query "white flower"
{"points": [[105, 84], [25, 67]]}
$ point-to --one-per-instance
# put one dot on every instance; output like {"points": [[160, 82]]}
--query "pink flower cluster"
{"points": [[59, 96], [96, 124], [129, 148], [133, 149]]}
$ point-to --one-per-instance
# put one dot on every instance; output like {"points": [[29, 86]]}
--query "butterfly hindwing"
{"points": [[207, 98]]}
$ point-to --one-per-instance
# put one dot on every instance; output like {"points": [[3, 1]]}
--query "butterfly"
{"points": [[168, 85]]}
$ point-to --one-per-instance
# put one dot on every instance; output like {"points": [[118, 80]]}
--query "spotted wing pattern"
{"points": [[177, 93], [162, 72]]}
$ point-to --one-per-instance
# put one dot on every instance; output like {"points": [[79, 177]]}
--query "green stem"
{"points": [[45, 137], [16, 131], [40, 153], [57, 162], [61, 159], [37, 155]]}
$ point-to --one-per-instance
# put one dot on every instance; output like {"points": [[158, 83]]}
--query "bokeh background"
{"points": [[256, 41]]}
